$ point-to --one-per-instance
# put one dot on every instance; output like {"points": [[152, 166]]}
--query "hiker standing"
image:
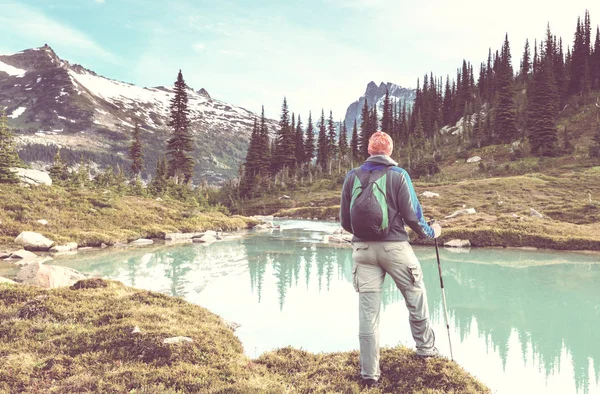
{"points": [[378, 200]]}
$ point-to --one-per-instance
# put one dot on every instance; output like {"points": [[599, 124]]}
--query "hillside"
{"points": [[503, 188], [54, 104]]}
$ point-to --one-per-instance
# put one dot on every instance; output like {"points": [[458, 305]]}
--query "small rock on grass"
{"points": [[174, 340]]}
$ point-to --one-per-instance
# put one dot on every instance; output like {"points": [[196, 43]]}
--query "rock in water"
{"points": [[48, 276], [205, 239], [430, 194], [474, 159], [142, 242], [23, 255], [468, 211], [32, 177], [458, 243], [34, 241], [71, 246]]}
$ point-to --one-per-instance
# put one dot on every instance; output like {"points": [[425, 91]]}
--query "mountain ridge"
{"points": [[53, 104]]}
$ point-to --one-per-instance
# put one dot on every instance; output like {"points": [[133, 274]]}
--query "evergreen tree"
{"points": [[373, 123], [160, 181], [309, 145], [364, 131], [578, 59], [284, 145], [386, 119], [354, 147], [505, 129], [595, 61], [322, 144], [525, 62], [252, 164], [542, 108], [263, 146], [447, 104], [181, 165], [300, 151], [343, 143], [58, 171], [8, 153], [135, 153], [331, 138]]}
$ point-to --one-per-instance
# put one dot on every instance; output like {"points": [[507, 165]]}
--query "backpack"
{"points": [[368, 206]]}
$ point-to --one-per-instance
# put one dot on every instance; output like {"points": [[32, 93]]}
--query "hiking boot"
{"points": [[371, 383], [428, 352]]}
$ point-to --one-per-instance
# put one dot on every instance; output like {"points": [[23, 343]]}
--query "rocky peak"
{"points": [[202, 92], [34, 59]]}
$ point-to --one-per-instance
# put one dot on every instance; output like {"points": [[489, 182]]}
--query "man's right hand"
{"points": [[437, 230]]}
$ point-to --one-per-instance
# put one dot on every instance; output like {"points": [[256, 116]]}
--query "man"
{"points": [[388, 251]]}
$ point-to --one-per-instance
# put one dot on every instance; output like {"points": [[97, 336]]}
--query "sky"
{"points": [[320, 54]]}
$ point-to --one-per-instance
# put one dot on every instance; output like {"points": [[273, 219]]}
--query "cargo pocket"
{"points": [[417, 275], [355, 276]]}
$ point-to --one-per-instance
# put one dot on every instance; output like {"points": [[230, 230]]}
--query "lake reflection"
{"points": [[521, 321]]}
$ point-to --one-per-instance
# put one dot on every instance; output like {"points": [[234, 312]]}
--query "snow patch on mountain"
{"points": [[12, 71], [17, 112]]}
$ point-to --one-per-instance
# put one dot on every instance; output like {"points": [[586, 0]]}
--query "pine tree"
{"points": [[343, 143], [525, 62], [542, 108], [373, 123], [8, 153], [447, 104], [252, 164], [322, 144], [58, 171], [386, 119], [505, 129], [159, 183], [309, 144], [264, 146], [364, 131], [181, 165], [331, 139], [299, 143], [284, 145], [135, 153], [354, 147]]}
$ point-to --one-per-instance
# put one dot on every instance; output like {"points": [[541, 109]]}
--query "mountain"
{"points": [[376, 94], [54, 104]]}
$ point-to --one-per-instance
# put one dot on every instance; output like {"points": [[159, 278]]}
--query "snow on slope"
{"points": [[17, 112], [136, 100], [12, 71]]}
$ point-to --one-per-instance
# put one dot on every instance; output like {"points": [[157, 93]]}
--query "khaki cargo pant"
{"points": [[372, 260]]}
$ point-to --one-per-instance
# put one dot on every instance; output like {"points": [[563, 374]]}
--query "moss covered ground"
{"points": [[79, 339]]}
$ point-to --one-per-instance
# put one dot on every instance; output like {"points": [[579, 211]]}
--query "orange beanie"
{"points": [[381, 143]]}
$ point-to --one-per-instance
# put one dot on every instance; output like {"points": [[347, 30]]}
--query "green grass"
{"points": [[79, 340], [92, 217]]}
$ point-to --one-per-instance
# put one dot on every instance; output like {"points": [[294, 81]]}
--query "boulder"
{"points": [[32, 177], [468, 211], [136, 330], [6, 280], [474, 159], [206, 239], [36, 259], [33, 241], [23, 255], [48, 276], [181, 236], [174, 340], [231, 325], [43, 222], [142, 242], [430, 194], [535, 213], [71, 246], [458, 243], [340, 230]]}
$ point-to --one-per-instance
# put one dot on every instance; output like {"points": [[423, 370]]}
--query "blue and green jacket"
{"points": [[403, 205]]}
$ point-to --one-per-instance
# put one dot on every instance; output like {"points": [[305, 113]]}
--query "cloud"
{"points": [[198, 47], [35, 28]]}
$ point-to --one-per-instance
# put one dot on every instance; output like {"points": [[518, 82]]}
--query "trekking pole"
{"points": [[437, 253]]}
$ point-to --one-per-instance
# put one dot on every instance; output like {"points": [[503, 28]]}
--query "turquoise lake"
{"points": [[521, 321]]}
